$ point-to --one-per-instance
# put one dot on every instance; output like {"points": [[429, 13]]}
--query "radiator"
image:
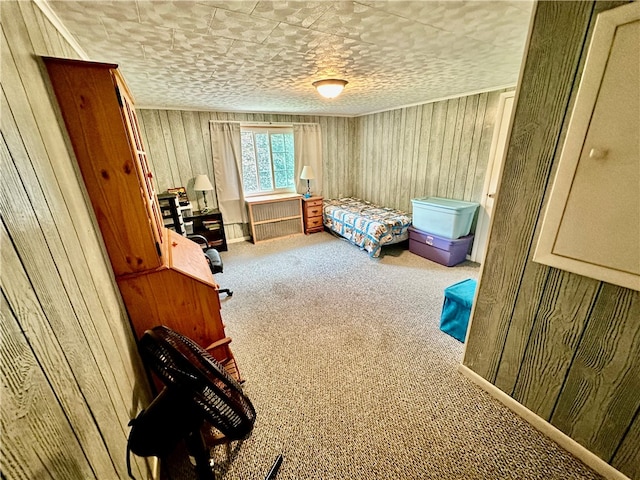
{"points": [[275, 216]]}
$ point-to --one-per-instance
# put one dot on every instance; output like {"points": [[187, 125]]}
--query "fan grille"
{"points": [[181, 363]]}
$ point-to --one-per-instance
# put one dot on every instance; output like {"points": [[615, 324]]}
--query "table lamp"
{"points": [[203, 184], [307, 174]]}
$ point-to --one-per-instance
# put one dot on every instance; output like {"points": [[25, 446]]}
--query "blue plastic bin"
{"points": [[456, 309], [443, 217]]}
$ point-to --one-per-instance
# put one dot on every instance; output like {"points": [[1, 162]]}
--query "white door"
{"points": [[494, 173]]}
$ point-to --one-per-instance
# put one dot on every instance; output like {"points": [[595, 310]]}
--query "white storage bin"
{"points": [[443, 216]]}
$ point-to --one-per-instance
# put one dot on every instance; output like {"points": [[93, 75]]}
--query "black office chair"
{"points": [[213, 257]]}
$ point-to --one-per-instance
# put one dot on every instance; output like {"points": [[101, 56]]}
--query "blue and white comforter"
{"points": [[364, 224]]}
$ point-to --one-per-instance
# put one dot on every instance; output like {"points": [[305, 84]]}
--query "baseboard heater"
{"points": [[275, 216]]}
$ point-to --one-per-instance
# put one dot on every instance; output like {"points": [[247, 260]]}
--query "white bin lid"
{"points": [[444, 203]]}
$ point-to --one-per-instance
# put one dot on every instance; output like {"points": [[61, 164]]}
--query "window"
{"points": [[267, 160]]}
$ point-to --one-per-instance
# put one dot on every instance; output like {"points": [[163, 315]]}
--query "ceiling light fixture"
{"points": [[329, 88]]}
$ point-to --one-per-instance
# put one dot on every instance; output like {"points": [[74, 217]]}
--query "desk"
{"points": [[210, 226]]}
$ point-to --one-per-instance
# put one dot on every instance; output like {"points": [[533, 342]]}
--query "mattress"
{"points": [[367, 225]]}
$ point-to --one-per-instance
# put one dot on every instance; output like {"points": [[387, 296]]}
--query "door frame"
{"points": [[497, 152]]}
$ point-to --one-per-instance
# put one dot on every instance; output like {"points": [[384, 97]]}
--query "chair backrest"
{"points": [[212, 255], [215, 262], [200, 240]]}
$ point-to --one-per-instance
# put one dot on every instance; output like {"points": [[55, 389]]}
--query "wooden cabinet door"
{"points": [[592, 223], [102, 129], [147, 187]]}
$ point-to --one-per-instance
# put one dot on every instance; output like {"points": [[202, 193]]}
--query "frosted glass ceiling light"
{"points": [[329, 88]]}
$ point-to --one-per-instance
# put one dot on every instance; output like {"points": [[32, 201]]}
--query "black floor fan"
{"points": [[198, 390]]}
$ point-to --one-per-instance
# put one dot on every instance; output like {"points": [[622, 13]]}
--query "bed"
{"points": [[365, 224]]}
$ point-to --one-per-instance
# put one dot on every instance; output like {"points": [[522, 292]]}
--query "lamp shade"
{"points": [[202, 183], [330, 88], [307, 173]]}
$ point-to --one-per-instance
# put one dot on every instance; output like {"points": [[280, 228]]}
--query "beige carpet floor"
{"points": [[352, 378]]}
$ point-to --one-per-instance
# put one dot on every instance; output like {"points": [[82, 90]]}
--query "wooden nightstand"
{"points": [[312, 212]]}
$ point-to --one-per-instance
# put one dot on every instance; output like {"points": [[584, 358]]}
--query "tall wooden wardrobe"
{"points": [[163, 277]]}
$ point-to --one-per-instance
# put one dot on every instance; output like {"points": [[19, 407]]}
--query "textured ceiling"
{"points": [[262, 56]]}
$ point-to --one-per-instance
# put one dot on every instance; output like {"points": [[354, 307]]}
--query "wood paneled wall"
{"points": [[436, 149], [71, 376], [565, 346], [179, 147]]}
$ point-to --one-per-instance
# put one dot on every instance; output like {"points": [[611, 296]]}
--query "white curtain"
{"points": [[227, 169], [307, 139]]}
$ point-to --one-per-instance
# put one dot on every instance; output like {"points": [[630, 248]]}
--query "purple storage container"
{"points": [[444, 251]]}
